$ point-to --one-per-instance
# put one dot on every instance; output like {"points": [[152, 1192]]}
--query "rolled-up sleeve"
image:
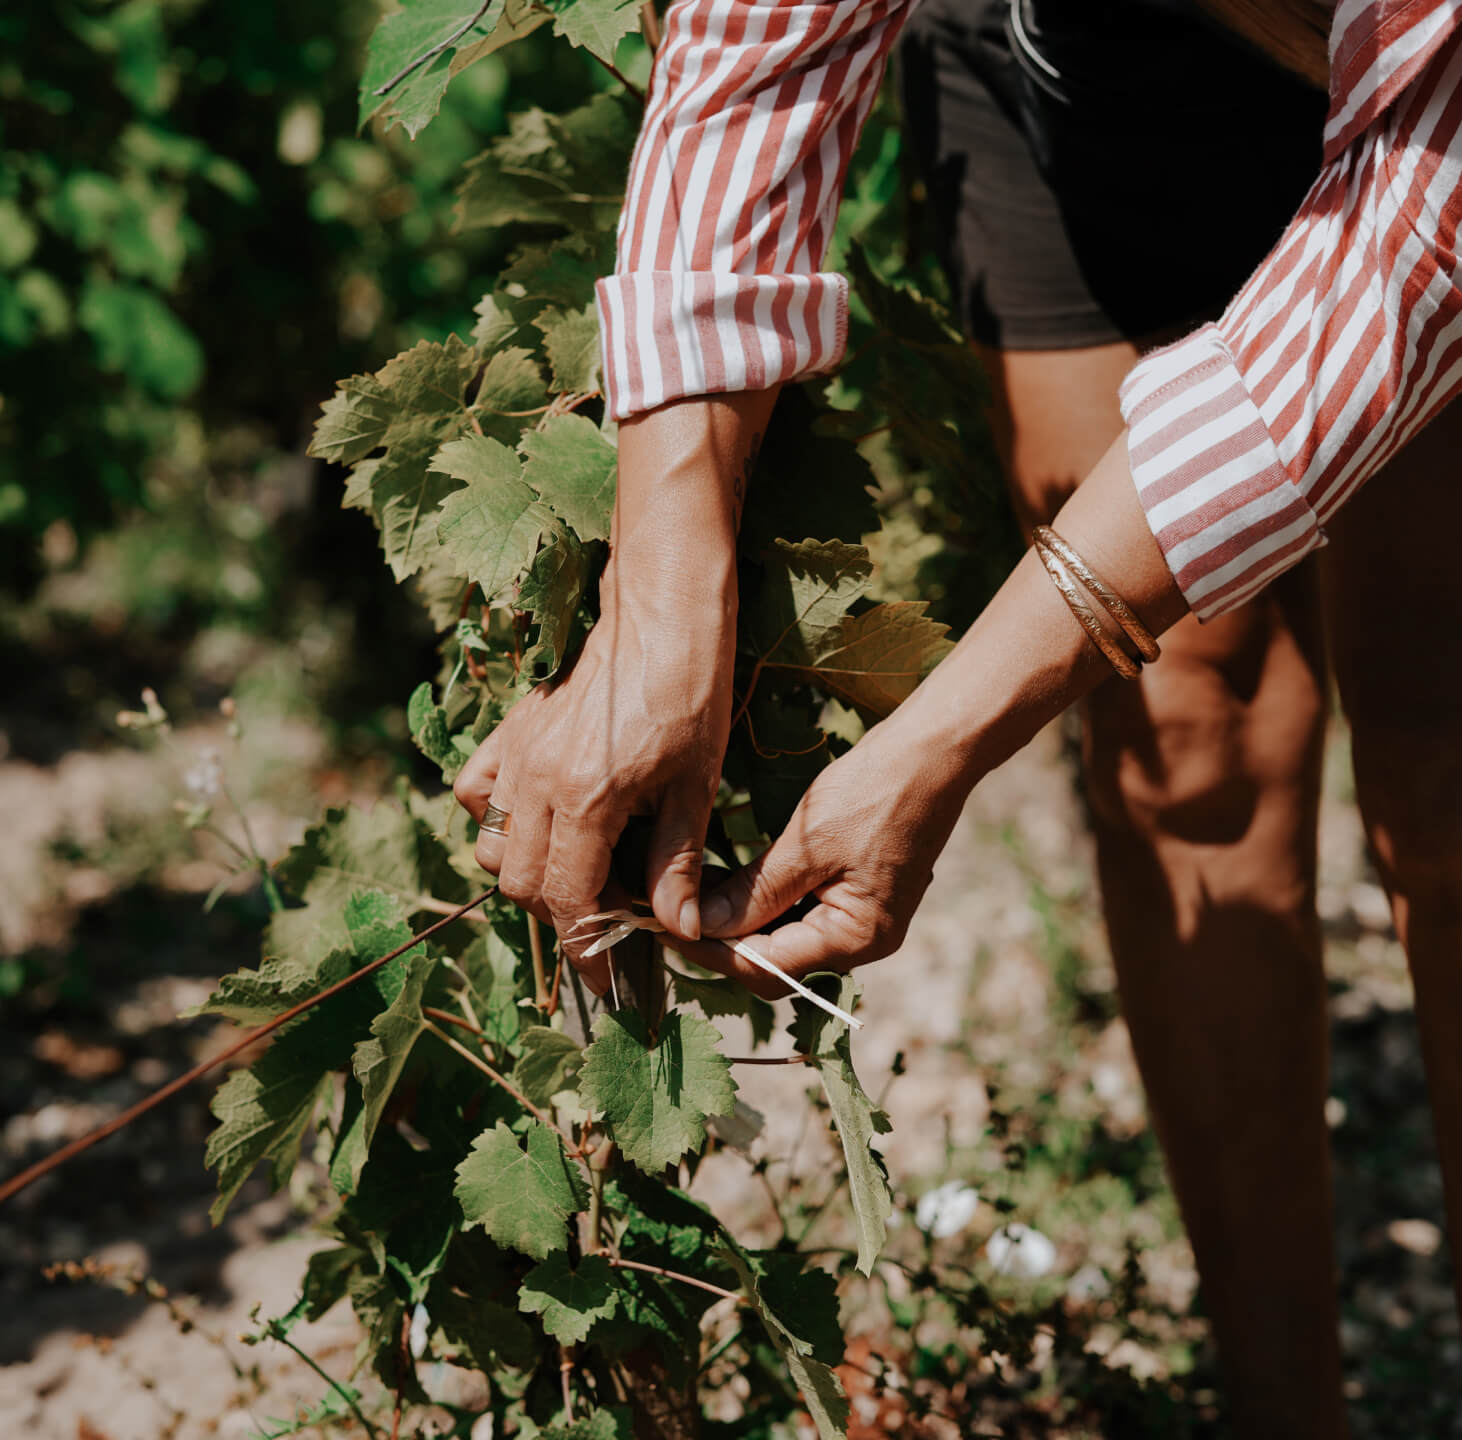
{"points": [[1248, 435], [755, 107]]}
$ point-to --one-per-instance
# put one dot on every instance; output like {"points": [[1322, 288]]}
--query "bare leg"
{"points": [[1204, 779], [1391, 575]]}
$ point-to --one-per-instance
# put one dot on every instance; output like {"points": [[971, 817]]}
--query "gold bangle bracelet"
{"points": [[1116, 606], [1120, 660]]}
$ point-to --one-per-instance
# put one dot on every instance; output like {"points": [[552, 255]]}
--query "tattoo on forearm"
{"points": [[741, 481]]}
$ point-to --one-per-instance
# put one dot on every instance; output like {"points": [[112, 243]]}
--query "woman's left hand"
{"points": [[863, 841]]}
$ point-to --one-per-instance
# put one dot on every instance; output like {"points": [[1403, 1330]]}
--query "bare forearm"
{"points": [[683, 472], [1027, 658]]}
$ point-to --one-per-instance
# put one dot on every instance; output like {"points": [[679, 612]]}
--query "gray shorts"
{"points": [[1099, 170]]}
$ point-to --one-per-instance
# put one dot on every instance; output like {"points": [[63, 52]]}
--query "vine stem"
{"points": [[565, 1369], [403, 1361], [434, 906], [798, 1059], [574, 1151], [540, 974], [283, 1338], [616, 1263], [17, 1183]]}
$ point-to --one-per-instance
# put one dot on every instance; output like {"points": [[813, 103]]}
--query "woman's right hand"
{"points": [[639, 723]]}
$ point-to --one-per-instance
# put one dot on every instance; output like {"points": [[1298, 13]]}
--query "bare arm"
{"points": [[639, 724], [866, 835]]}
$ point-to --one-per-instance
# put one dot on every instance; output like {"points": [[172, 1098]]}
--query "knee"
{"points": [[1410, 792], [1205, 743]]}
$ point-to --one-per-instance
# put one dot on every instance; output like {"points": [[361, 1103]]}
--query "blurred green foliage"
{"points": [[194, 240]]}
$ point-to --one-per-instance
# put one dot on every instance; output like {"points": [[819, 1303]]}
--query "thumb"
{"points": [[673, 867], [756, 895]]}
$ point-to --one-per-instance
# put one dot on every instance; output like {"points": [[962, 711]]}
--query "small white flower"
{"points": [[947, 1209], [204, 777], [1020, 1251], [1089, 1283], [420, 1330]]}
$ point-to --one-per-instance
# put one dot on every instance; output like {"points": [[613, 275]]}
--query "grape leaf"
{"points": [[379, 1061], [612, 1424], [803, 624], [383, 848], [822, 1391], [568, 1301], [597, 25], [262, 1113], [490, 964], [571, 338], [427, 722], [250, 997], [858, 1120], [550, 169], [553, 590], [402, 37], [717, 996], [549, 1063], [805, 1301], [876, 659], [521, 1195], [511, 395], [809, 589], [490, 1333], [572, 467], [654, 1099], [409, 407], [491, 529]]}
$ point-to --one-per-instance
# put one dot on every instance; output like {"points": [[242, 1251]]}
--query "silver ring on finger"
{"points": [[495, 821]]}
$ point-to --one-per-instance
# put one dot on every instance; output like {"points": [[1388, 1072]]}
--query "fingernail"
{"points": [[690, 920], [716, 913]]}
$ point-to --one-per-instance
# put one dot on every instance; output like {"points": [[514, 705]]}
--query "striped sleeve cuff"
{"points": [[1216, 493], [669, 334]]}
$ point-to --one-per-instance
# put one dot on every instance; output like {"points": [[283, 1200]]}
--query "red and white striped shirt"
{"points": [[1244, 438]]}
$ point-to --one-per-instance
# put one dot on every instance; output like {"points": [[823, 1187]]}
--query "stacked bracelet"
{"points": [[1066, 568]]}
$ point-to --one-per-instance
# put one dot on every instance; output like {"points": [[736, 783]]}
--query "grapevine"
{"points": [[510, 1155]]}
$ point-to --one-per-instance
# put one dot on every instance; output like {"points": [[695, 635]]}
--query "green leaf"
{"points": [[408, 408], [549, 1063], [805, 1302], [803, 623], [553, 590], [858, 1120], [379, 1061], [821, 1390], [521, 1195], [573, 468], [612, 1424], [250, 997], [597, 25], [491, 529], [382, 848], [717, 996], [551, 169], [876, 659], [263, 1113], [571, 338], [491, 964], [568, 1301], [809, 589], [654, 1098], [428, 724], [401, 38], [511, 395], [491, 1334]]}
